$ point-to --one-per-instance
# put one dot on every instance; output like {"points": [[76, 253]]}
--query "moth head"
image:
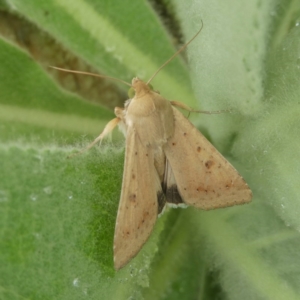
{"points": [[138, 87]]}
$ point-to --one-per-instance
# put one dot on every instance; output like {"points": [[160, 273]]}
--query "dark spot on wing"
{"points": [[209, 164], [198, 149], [132, 197], [201, 189]]}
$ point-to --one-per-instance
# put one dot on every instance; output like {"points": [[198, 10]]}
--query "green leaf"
{"points": [[108, 37], [57, 215]]}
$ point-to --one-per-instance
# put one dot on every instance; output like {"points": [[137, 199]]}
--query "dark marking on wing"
{"points": [[209, 164], [132, 197], [201, 189]]}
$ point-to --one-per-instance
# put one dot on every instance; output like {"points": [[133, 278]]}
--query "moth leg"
{"points": [[107, 129], [119, 112], [189, 109]]}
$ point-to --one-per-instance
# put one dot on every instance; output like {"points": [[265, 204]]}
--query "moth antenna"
{"points": [[190, 110], [175, 54], [91, 74], [208, 112]]}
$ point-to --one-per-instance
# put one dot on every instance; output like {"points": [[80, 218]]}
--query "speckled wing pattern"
{"points": [[138, 207], [204, 178]]}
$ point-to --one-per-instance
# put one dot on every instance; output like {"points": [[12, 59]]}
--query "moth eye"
{"points": [[131, 93]]}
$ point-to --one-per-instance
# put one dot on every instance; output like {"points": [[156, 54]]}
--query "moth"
{"points": [[159, 139]]}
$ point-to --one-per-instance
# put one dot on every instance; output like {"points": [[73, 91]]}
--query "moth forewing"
{"points": [[138, 205], [204, 178]]}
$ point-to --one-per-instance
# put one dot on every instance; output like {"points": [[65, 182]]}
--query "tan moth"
{"points": [[167, 161]]}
